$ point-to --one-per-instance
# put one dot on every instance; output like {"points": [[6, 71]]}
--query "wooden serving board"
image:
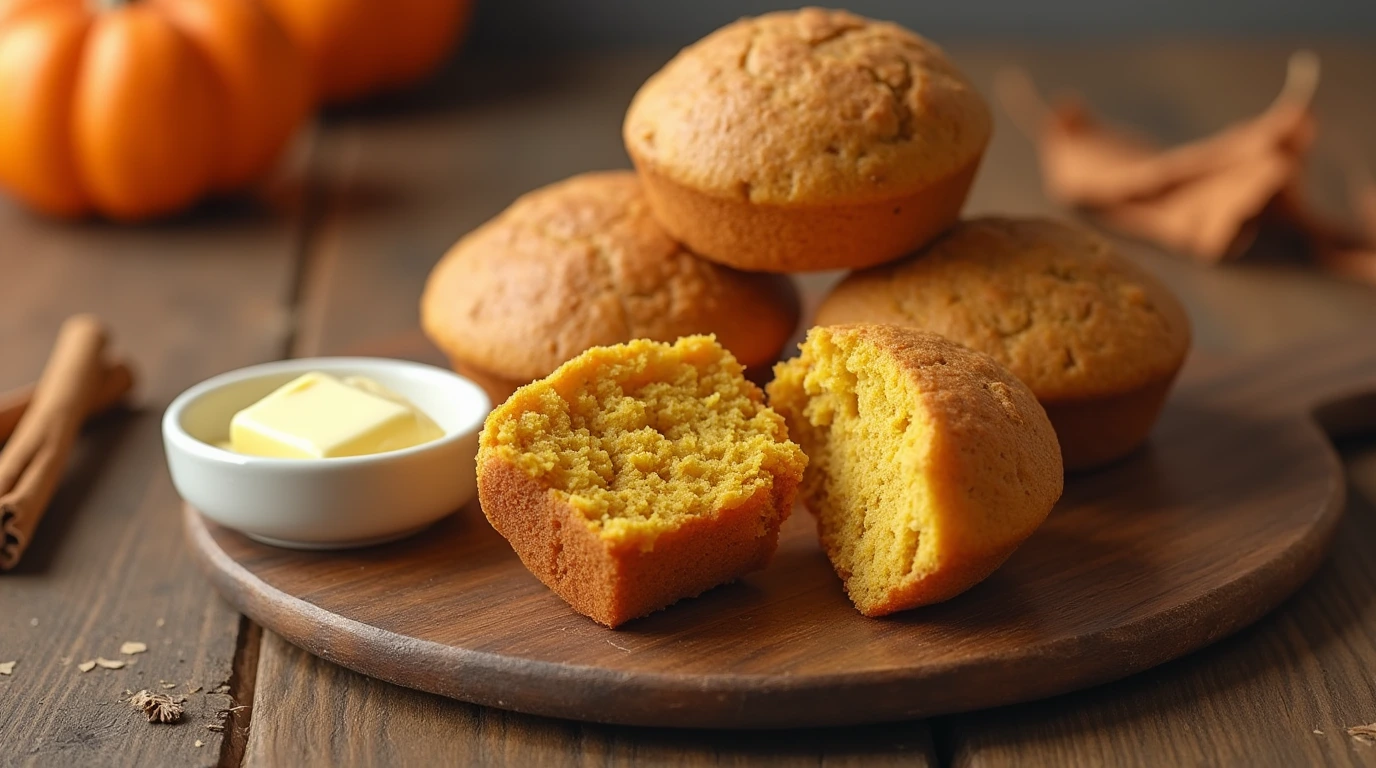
{"points": [[1225, 513]]}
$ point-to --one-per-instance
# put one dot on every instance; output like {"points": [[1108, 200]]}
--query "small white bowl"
{"points": [[326, 503]]}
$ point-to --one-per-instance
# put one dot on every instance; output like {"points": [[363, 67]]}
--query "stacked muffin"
{"points": [[802, 141]]}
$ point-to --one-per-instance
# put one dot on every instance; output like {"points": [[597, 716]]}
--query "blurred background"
{"points": [[587, 24]]}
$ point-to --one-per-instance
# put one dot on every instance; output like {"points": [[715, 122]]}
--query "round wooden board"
{"points": [[1224, 514]]}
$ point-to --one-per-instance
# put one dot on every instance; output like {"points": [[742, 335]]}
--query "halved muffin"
{"points": [[639, 474], [929, 463]]}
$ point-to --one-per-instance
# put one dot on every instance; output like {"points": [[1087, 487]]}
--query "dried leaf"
{"points": [[159, 707], [131, 648], [105, 663], [7, 667], [1205, 197], [86, 666], [1363, 732]]}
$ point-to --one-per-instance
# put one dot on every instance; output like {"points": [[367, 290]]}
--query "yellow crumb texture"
{"points": [[641, 437], [872, 464], [929, 463]]}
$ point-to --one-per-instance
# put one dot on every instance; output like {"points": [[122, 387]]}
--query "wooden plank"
{"points": [[310, 711], [186, 299]]}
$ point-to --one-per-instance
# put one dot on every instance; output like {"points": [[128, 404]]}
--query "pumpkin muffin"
{"points": [[807, 140], [929, 462], [1097, 340], [639, 474], [582, 263]]}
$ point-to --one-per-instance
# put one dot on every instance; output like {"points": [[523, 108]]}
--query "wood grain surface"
{"points": [[184, 300], [1225, 513], [389, 725]]}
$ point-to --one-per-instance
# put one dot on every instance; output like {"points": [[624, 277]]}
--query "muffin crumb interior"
{"points": [[867, 440], [641, 436]]}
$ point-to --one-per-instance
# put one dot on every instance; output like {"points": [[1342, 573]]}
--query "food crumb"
{"points": [[166, 685], [200, 743], [1318, 732], [132, 647], [159, 707], [33, 622], [105, 663], [1365, 733], [161, 622], [86, 666], [196, 689], [7, 667]]}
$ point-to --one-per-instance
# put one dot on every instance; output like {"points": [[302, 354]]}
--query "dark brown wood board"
{"points": [[1225, 514]]}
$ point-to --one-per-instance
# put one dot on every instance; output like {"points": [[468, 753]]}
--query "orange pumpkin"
{"points": [[360, 47], [137, 109]]}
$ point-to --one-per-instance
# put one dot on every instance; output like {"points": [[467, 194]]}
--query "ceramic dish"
{"points": [[326, 503]]}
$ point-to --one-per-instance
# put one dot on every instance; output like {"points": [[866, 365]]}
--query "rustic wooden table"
{"points": [[332, 260]]}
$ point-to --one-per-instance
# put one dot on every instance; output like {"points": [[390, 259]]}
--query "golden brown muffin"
{"points": [[637, 475], [807, 140], [929, 463], [1098, 340], [582, 263]]}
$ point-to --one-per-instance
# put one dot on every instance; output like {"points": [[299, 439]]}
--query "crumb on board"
{"points": [[86, 666], [166, 685], [132, 647], [33, 622], [105, 663], [161, 622], [1365, 733], [158, 707], [200, 743], [7, 667], [195, 689]]}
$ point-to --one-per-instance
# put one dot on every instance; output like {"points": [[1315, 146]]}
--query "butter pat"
{"points": [[318, 416]]}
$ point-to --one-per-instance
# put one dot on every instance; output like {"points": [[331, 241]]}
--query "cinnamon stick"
{"points": [[33, 460], [115, 382]]}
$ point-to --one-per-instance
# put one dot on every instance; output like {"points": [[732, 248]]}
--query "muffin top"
{"points": [[582, 263], [1051, 301], [808, 107]]}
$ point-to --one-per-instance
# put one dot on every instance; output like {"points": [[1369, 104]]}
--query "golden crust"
{"points": [[783, 142], [611, 584], [808, 107], [1083, 327], [992, 472], [773, 238], [582, 263]]}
